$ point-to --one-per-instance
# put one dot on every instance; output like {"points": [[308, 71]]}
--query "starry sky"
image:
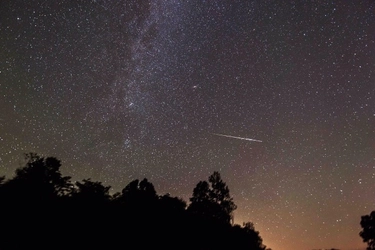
{"points": [[122, 90]]}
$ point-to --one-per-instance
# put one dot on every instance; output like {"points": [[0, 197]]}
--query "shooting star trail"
{"points": [[236, 137]]}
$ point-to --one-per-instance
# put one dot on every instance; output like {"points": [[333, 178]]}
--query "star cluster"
{"points": [[120, 90]]}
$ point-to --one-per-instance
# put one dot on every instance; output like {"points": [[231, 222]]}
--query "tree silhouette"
{"points": [[137, 194], [39, 180], [44, 210], [212, 199], [368, 230], [247, 237], [31, 200], [172, 204], [91, 192], [201, 192]]}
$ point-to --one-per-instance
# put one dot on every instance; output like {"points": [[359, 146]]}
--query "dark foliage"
{"points": [[368, 230], [42, 209], [212, 199]]}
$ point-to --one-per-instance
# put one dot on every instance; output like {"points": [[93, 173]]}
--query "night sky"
{"points": [[123, 90]]}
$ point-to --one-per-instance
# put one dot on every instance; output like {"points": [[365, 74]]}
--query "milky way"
{"points": [[119, 90]]}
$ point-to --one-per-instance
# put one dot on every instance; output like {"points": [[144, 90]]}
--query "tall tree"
{"points": [[368, 230], [212, 199]]}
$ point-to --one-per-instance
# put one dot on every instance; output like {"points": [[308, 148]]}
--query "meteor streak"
{"points": [[236, 137]]}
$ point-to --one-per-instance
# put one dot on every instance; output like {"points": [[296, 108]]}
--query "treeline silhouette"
{"points": [[41, 209]]}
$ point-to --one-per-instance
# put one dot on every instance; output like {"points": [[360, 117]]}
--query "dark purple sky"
{"points": [[120, 90]]}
